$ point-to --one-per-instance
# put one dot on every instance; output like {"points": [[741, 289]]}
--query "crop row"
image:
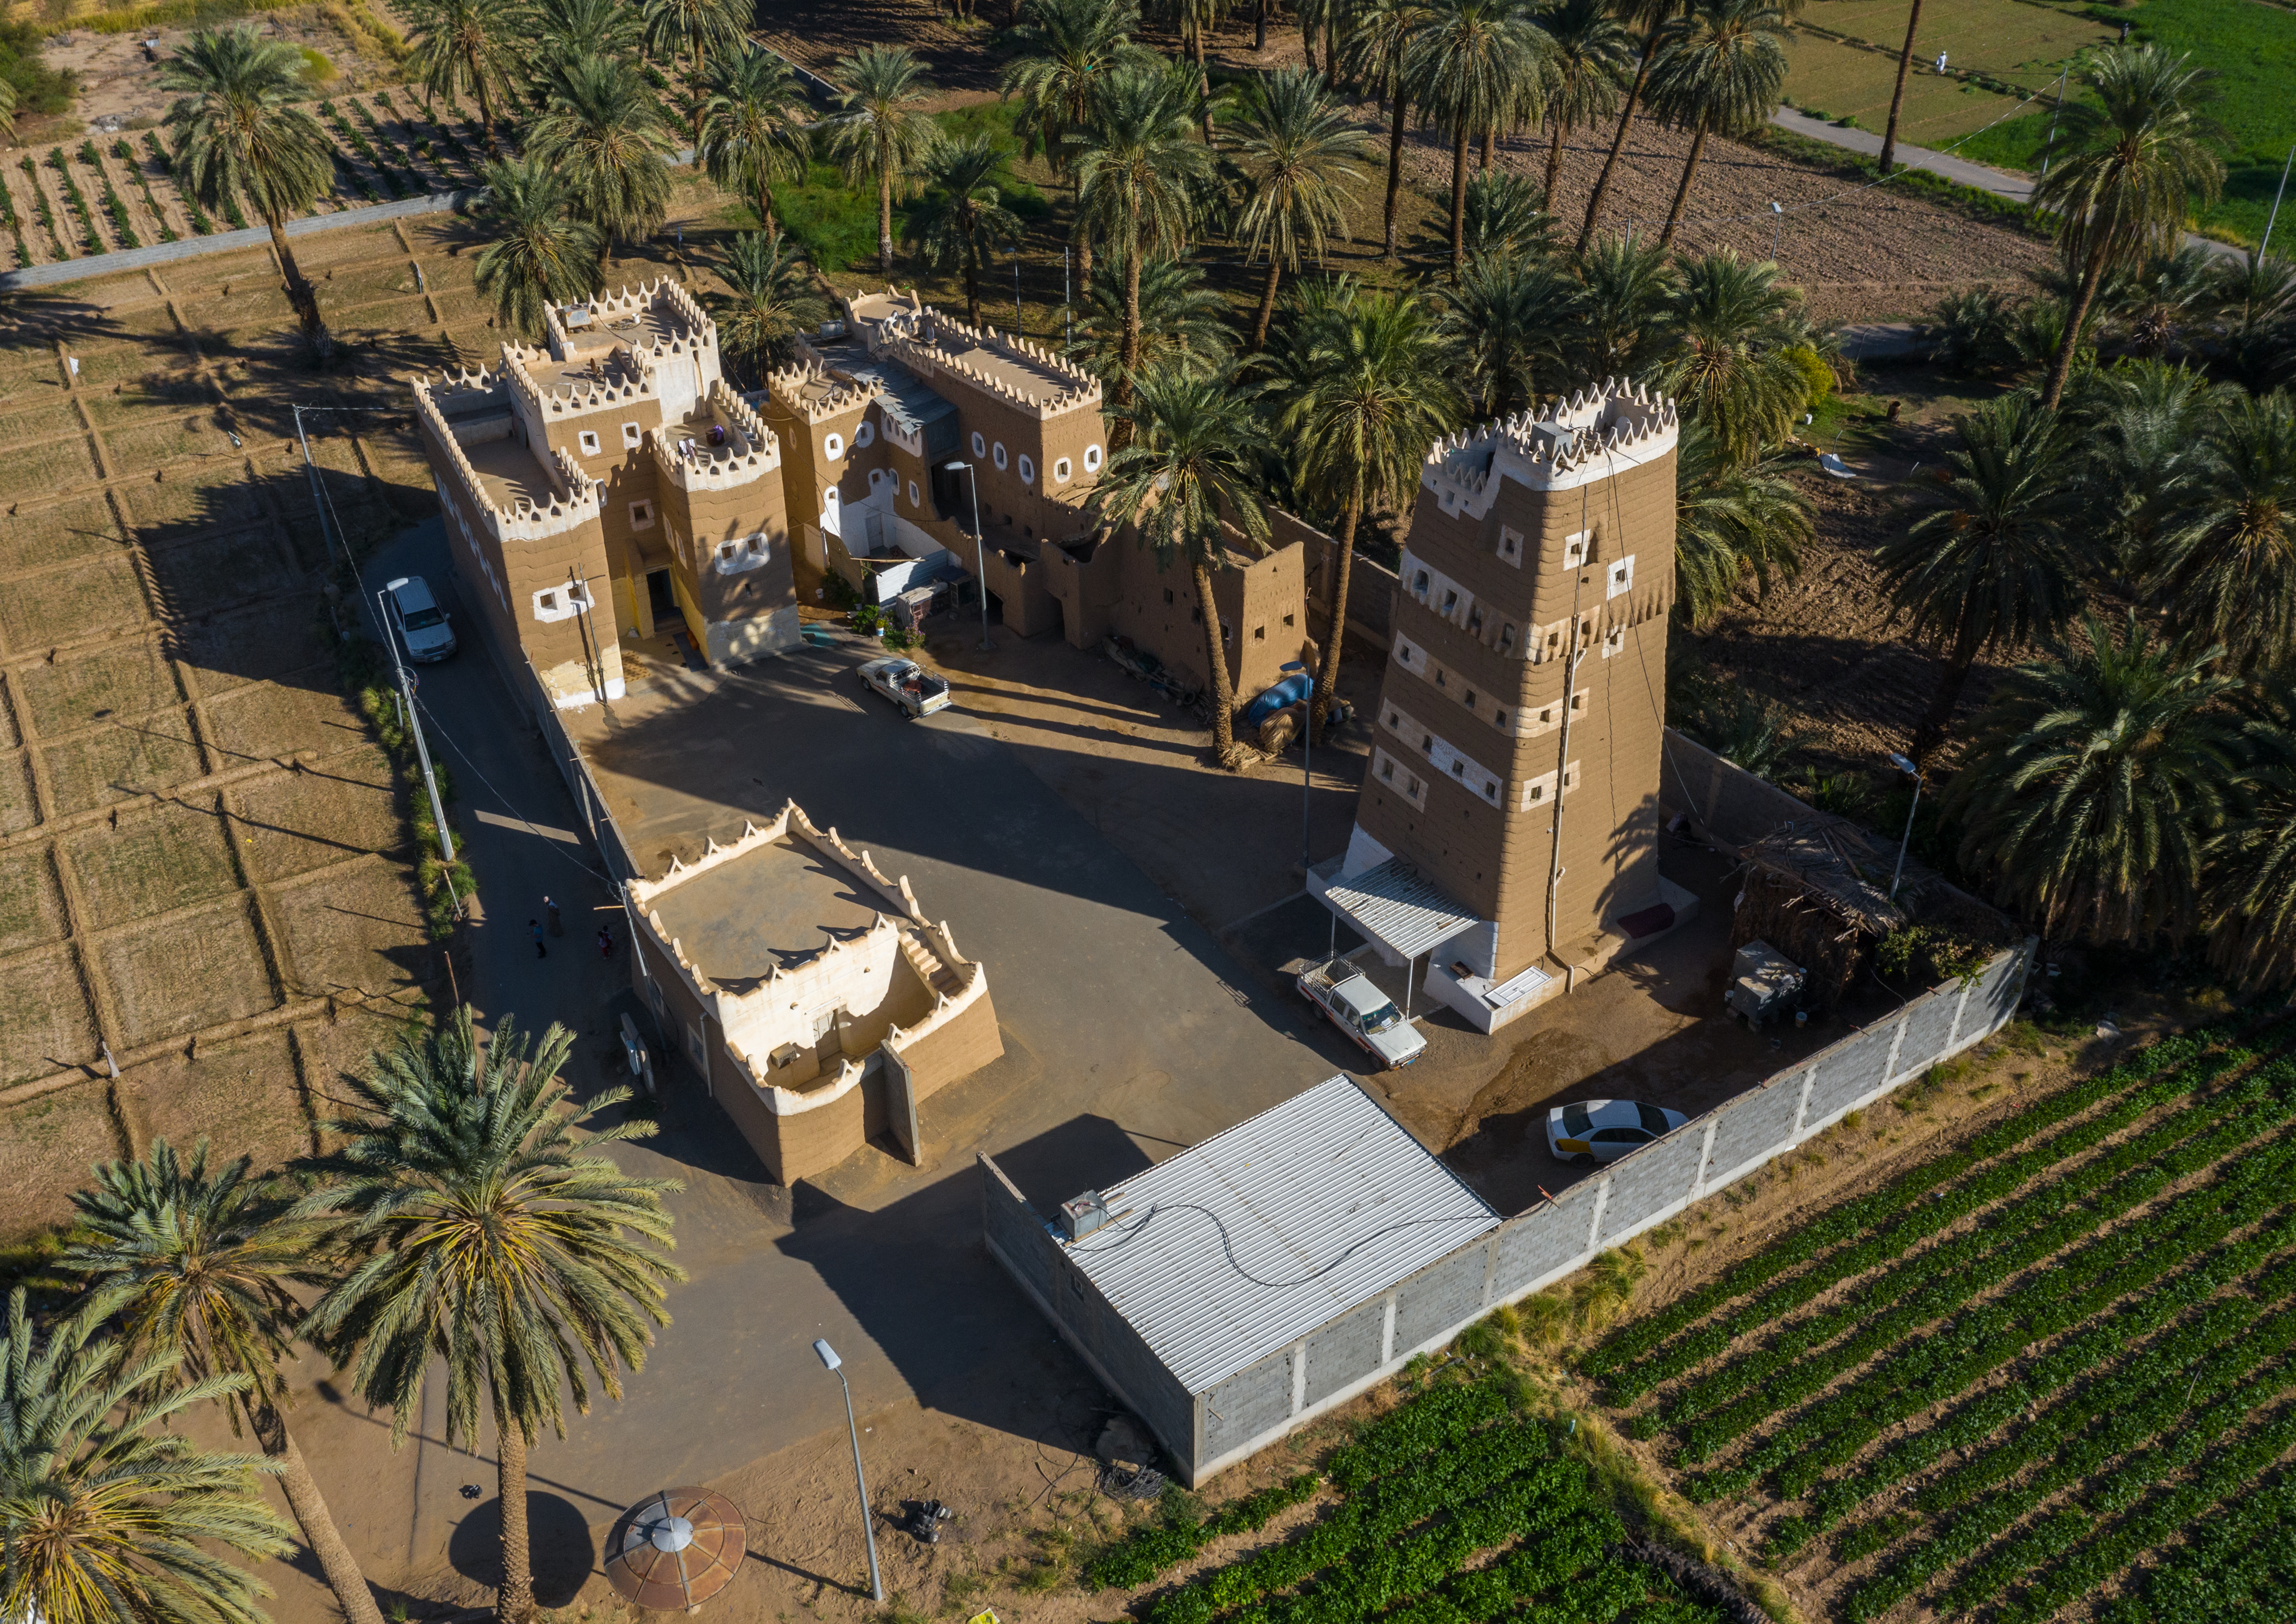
{"points": [[1364, 1523], [1940, 1279], [1946, 1205], [2125, 1265], [2087, 1565], [2239, 1561], [350, 136], [200, 224], [1435, 1420], [112, 206], [126, 154], [15, 227], [1851, 1218], [1148, 1550], [2105, 1418], [2044, 1201], [75, 201], [1555, 1558]]}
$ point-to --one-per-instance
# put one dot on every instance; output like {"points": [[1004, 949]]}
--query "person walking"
{"points": [[557, 925], [605, 941], [540, 951]]}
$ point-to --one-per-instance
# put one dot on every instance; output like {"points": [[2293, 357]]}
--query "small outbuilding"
{"points": [[1249, 1284]]}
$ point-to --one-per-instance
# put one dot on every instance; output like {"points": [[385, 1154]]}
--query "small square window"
{"points": [[1499, 716], [641, 515], [589, 443], [1287, 620], [1468, 699], [1259, 634], [630, 435], [1168, 595]]}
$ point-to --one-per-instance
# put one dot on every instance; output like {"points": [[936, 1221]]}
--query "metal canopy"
{"points": [[1236, 1247], [1399, 908], [674, 1550]]}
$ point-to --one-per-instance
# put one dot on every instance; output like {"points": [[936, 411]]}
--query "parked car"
{"points": [[1603, 1130], [1363, 1012], [907, 684], [422, 624]]}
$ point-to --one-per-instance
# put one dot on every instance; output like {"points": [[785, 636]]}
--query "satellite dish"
{"points": [[673, 1550]]}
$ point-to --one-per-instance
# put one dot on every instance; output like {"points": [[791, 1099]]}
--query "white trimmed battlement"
{"points": [[1603, 431], [1012, 368], [692, 464]]}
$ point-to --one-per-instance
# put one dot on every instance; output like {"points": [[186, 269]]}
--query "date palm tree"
{"points": [[465, 48], [770, 299], [1068, 50], [2251, 890], [1505, 320], [1632, 290], [2227, 560], [1376, 51], [240, 135], [2255, 307], [603, 134], [105, 1514], [962, 212], [1505, 216], [881, 131], [1732, 370], [1185, 481], [692, 28], [753, 130], [1475, 66], [1300, 157], [542, 254], [1650, 17], [1732, 524], [484, 1234], [1590, 56], [566, 31], [1371, 391], [1194, 18], [2094, 781], [2146, 424], [1897, 95], [1183, 323], [1720, 72], [197, 1266], [2136, 157], [1987, 558], [1141, 183]]}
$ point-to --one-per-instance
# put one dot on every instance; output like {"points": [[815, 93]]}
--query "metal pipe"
{"points": [[1915, 773], [828, 1356], [421, 750], [1307, 768], [980, 546], [2266, 246]]}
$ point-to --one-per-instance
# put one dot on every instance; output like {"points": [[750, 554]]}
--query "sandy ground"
{"points": [[119, 87]]}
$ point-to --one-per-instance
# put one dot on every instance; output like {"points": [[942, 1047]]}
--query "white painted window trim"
{"points": [[1092, 459], [833, 446], [1619, 577], [1028, 470], [631, 435], [1061, 472], [1510, 544], [588, 440], [865, 436], [746, 553], [1397, 775], [562, 601], [996, 455]]}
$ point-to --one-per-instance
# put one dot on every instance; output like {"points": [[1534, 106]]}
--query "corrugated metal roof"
{"points": [[1395, 904], [1326, 1201]]}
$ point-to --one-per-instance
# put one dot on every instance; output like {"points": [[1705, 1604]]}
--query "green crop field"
{"points": [[1453, 1508], [2055, 1367]]}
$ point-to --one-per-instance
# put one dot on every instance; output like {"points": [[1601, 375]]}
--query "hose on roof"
{"points": [[1227, 1245]]}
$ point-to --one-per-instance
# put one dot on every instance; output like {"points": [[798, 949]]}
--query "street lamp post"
{"points": [[1914, 773], [1307, 768], [1778, 227], [980, 546], [828, 1357]]}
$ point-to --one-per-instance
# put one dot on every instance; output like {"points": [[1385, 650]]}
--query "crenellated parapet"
{"points": [[809, 389], [1032, 377], [692, 464], [1603, 430], [620, 382]]}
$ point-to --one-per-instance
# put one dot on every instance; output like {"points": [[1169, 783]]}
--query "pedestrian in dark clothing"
{"points": [[605, 942], [539, 950], [550, 906]]}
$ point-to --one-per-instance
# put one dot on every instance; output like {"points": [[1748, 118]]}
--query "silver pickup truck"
{"points": [[1363, 1011]]}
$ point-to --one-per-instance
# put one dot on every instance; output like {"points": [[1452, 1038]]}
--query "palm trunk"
{"points": [[1331, 42], [514, 1603], [1458, 199], [698, 97], [765, 211], [312, 1516], [1682, 193], [1308, 35], [1222, 690], [486, 112], [1267, 306], [2061, 370], [1553, 164], [1395, 159], [1897, 96], [885, 218], [1930, 730], [1490, 140], [1327, 687], [1204, 85], [1259, 28], [1618, 144], [1119, 432], [301, 294], [973, 280]]}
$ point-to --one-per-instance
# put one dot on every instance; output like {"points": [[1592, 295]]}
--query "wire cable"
{"points": [[532, 827], [1227, 1244]]}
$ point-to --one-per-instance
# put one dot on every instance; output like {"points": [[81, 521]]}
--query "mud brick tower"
{"points": [[1507, 830]]}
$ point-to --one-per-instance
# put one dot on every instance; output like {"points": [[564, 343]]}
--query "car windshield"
{"points": [[1385, 1018], [1576, 1121], [1653, 1118], [422, 619]]}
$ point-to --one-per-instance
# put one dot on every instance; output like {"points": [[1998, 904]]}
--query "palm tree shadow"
{"points": [[562, 1553]]}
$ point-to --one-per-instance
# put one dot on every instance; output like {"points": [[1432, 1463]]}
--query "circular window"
{"points": [[913, 493], [864, 435], [1027, 472], [1092, 459], [833, 446], [979, 447], [1061, 472], [997, 456]]}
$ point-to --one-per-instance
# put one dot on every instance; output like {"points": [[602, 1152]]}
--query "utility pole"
{"points": [[421, 750], [2273, 218]]}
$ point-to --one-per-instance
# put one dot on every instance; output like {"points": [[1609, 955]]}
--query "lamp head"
{"points": [[953, 467], [1904, 765], [827, 1354]]}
